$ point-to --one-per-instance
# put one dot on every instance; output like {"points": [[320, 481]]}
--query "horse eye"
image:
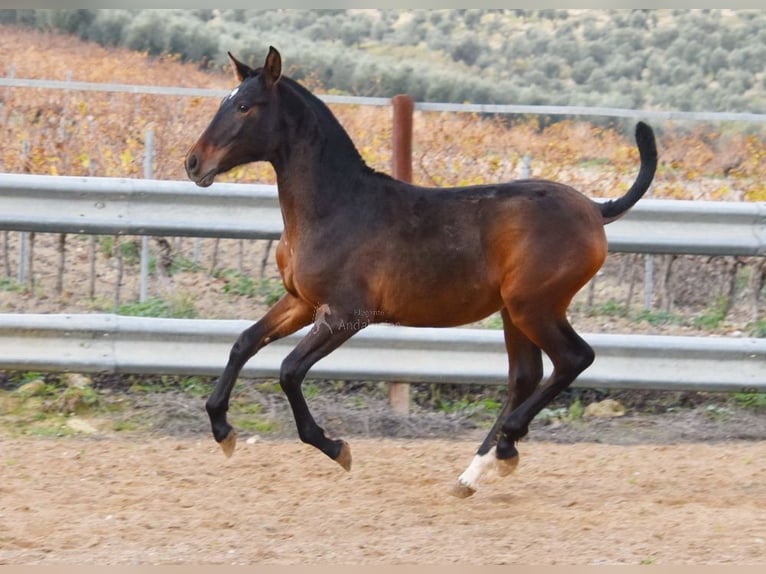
{"points": [[243, 108]]}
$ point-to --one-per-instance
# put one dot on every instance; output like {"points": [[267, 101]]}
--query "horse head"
{"points": [[244, 129]]}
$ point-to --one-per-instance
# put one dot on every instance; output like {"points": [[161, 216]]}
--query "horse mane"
{"points": [[329, 124]]}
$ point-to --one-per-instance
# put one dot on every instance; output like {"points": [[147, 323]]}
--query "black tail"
{"points": [[647, 149]]}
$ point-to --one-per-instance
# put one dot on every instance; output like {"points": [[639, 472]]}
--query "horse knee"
{"points": [[243, 348], [580, 359], [290, 375]]}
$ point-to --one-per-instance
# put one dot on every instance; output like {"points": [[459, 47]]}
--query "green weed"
{"points": [[11, 285], [268, 387], [181, 264], [751, 400], [717, 412], [237, 283], [470, 407], [576, 410], [612, 308], [249, 416], [548, 415], [713, 317], [75, 400], [243, 285], [311, 390], [657, 318], [759, 329], [129, 250], [156, 307], [195, 386], [165, 383]]}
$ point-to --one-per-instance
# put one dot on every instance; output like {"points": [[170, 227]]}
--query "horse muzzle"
{"points": [[195, 171]]}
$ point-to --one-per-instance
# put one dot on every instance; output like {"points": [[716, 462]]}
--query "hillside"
{"points": [[703, 60]]}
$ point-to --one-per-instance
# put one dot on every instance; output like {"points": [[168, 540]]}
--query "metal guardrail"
{"points": [[105, 205], [691, 227], [107, 343], [97, 205]]}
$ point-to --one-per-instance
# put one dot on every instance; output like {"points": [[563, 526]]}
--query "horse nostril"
{"points": [[192, 163]]}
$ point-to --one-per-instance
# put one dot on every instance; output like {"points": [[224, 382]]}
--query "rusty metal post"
{"points": [[401, 163], [401, 168]]}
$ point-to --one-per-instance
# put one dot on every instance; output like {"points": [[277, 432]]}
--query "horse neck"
{"points": [[317, 158]]}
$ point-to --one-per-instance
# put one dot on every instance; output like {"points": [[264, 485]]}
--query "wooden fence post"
{"points": [[401, 168], [401, 163]]}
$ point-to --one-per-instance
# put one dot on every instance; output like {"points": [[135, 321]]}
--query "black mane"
{"points": [[330, 127]]}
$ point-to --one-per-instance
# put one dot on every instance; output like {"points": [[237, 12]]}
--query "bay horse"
{"points": [[359, 243]]}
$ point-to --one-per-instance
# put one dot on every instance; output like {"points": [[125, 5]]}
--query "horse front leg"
{"points": [[329, 332], [286, 316]]}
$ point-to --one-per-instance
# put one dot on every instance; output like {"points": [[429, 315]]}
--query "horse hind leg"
{"points": [[570, 356], [525, 369], [527, 372]]}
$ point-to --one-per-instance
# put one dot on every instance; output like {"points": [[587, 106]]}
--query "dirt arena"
{"points": [[156, 500]]}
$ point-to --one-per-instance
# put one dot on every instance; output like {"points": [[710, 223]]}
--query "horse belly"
{"points": [[438, 290]]}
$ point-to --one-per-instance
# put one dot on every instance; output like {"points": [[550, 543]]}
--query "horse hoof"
{"points": [[506, 466], [462, 490], [344, 458], [229, 443]]}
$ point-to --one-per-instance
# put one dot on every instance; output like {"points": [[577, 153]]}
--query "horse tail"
{"points": [[647, 150]]}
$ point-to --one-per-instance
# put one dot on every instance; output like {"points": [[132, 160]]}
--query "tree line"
{"points": [[689, 60]]}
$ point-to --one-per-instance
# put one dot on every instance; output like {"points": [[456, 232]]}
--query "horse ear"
{"points": [[273, 66], [241, 71]]}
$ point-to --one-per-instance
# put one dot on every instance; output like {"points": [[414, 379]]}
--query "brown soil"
{"points": [[179, 501]]}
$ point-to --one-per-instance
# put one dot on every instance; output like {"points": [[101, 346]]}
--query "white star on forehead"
{"points": [[233, 92]]}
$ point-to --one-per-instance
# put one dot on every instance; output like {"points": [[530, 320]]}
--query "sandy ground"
{"points": [[162, 500]]}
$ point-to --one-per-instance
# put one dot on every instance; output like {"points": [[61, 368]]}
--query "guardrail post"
{"points": [[648, 281], [24, 235], [143, 288], [401, 168]]}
